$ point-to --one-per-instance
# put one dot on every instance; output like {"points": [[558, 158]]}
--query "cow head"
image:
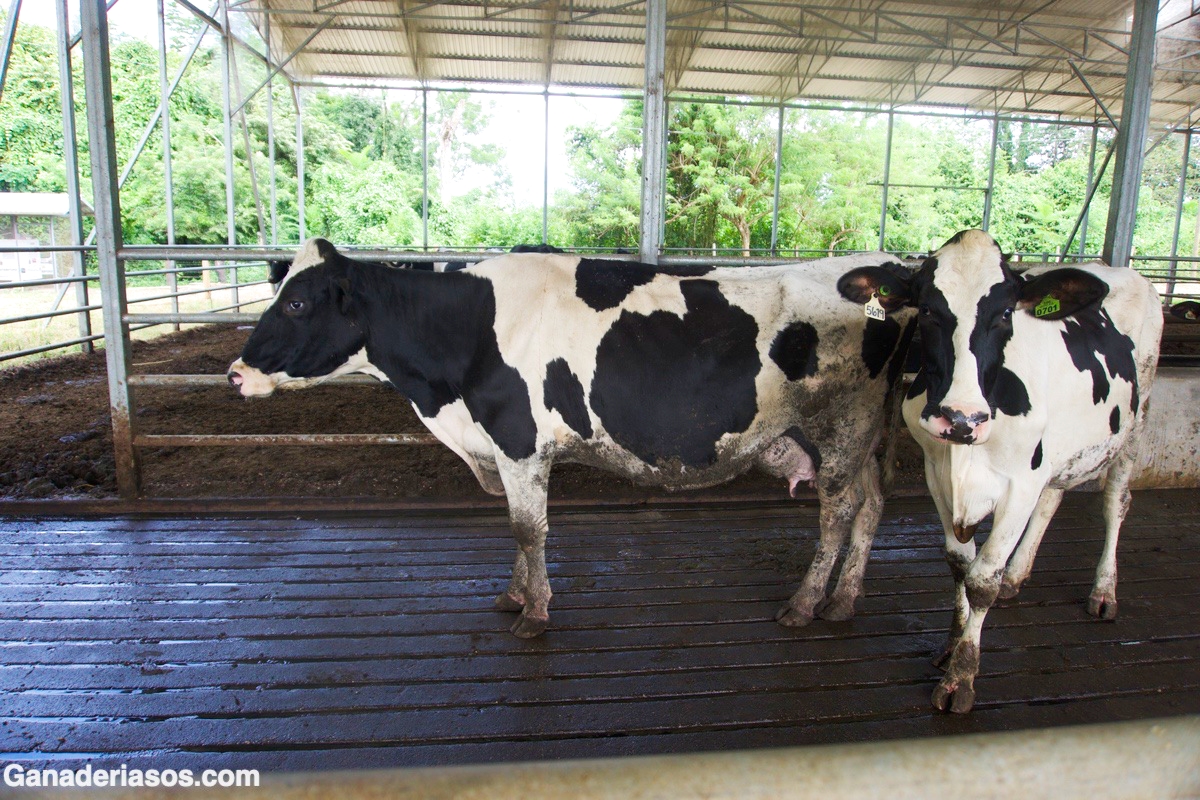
{"points": [[309, 331], [968, 300]]}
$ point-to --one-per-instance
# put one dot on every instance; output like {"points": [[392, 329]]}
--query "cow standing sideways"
{"points": [[680, 378], [1031, 384]]}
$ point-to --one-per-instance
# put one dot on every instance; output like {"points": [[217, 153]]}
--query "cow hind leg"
{"points": [[1021, 563], [1102, 603], [526, 486], [513, 598], [838, 510], [840, 604]]}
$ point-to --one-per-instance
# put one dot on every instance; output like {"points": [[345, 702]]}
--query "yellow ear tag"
{"points": [[1049, 305], [874, 309]]}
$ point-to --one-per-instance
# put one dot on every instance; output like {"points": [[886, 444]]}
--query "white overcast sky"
{"points": [[517, 121]]}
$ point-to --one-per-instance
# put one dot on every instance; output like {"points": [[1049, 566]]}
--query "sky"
{"points": [[517, 121]]}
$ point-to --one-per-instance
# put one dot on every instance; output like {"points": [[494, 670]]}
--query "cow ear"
{"points": [[278, 271], [892, 287], [1061, 293], [324, 249], [341, 294]]}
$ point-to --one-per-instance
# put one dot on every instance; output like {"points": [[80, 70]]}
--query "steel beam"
{"points": [[991, 182], [546, 167], [276, 69], [654, 132], [106, 203], [778, 170], [1131, 137], [168, 180], [10, 35], [298, 98], [887, 176], [424, 168], [1179, 198], [227, 122], [1091, 179], [66, 86]]}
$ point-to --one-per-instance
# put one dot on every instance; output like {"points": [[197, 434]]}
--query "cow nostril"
{"points": [[235, 378]]}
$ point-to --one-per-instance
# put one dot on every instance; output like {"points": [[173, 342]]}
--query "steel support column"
{"points": [[546, 166], [1091, 180], [168, 181], [424, 168], [66, 85], [227, 122], [298, 98], [887, 177], [271, 139], [654, 132], [991, 183], [1179, 198], [97, 82], [1131, 138], [778, 170]]}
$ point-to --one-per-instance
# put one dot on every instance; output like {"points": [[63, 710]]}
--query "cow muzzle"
{"points": [[250, 382], [960, 424]]}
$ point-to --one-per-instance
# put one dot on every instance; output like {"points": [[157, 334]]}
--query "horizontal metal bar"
{"points": [[220, 380], [178, 270], [199, 317], [47, 248], [284, 439], [48, 282], [33, 351], [49, 314], [252, 253], [224, 287]]}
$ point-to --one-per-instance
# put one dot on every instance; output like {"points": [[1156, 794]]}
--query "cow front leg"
{"points": [[1021, 563], [513, 598], [955, 692], [959, 556], [837, 513], [840, 604], [1102, 603], [526, 484]]}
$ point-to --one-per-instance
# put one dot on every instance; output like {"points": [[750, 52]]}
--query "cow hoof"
{"points": [[835, 611], [506, 602], [791, 618], [529, 627], [1102, 607], [955, 699], [1009, 590]]}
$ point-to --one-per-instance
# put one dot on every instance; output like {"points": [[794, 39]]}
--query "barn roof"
{"points": [[1060, 57]]}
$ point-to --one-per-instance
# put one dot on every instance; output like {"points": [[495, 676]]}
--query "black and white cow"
{"points": [[678, 378], [1030, 385]]}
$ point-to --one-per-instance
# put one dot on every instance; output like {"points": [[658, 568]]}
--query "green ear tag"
{"points": [[1049, 305]]}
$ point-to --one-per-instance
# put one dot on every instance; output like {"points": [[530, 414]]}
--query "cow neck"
{"points": [[423, 329]]}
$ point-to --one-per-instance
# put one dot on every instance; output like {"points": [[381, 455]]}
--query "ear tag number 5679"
{"points": [[874, 309]]}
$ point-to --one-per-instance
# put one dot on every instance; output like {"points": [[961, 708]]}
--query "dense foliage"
{"points": [[363, 156]]}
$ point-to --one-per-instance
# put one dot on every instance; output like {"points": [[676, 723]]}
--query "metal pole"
{"points": [[169, 184], [66, 87], [1083, 224], [654, 132], [1131, 138], [546, 166], [227, 120], [424, 168], [10, 34], [778, 170], [1087, 201], [298, 97], [887, 175], [271, 136], [98, 92], [1179, 198], [991, 183]]}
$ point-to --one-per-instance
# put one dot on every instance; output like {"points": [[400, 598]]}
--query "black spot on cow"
{"points": [[1009, 394], [1036, 461], [794, 350], [1114, 420], [904, 352], [1091, 336], [878, 344], [536, 248], [810, 449], [604, 284], [564, 393], [685, 271], [918, 386], [669, 388]]}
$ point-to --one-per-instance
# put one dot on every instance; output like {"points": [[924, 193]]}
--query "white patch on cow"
{"points": [[256, 383], [454, 427]]}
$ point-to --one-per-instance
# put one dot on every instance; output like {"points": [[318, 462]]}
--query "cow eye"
{"points": [[1007, 315], [294, 307], [925, 312]]}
